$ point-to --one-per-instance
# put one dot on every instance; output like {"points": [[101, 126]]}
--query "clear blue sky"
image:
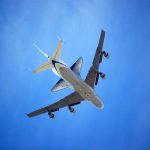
{"points": [[124, 123]]}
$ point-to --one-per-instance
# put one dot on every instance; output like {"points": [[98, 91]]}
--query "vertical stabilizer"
{"points": [[57, 53]]}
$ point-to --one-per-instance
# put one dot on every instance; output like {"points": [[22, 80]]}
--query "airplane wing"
{"points": [[70, 100], [93, 71], [45, 66], [76, 67]]}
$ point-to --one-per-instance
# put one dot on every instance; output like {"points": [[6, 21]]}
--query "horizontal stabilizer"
{"points": [[76, 67], [61, 84], [43, 67]]}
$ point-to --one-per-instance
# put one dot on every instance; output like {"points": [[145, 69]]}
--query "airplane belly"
{"points": [[68, 76], [77, 83]]}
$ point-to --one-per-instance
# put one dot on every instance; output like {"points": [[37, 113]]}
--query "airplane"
{"points": [[84, 89]]}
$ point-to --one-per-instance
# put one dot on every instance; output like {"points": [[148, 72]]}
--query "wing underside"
{"points": [[69, 100], [92, 73], [61, 84], [76, 67]]}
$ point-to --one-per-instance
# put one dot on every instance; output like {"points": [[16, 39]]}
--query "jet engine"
{"points": [[52, 116], [71, 109], [103, 76], [106, 55]]}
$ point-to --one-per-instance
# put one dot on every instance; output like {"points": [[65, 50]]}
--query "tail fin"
{"points": [[48, 64], [76, 67], [56, 54]]}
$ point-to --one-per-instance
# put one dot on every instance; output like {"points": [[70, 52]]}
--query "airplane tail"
{"points": [[48, 65], [57, 52]]}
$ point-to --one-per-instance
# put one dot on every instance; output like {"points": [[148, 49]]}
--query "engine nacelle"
{"points": [[106, 55], [103, 75], [71, 109], [51, 115], [97, 78]]}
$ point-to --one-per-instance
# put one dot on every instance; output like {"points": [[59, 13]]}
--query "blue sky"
{"points": [[124, 123]]}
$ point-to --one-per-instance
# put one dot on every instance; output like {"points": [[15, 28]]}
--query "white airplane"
{"points": [[84, 90]]}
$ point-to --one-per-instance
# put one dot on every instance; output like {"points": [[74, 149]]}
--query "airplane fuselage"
{"points": [[78, 84], [53, 67]]}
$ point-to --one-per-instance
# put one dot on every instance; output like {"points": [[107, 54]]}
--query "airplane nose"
{"points": [[98, 102]]}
